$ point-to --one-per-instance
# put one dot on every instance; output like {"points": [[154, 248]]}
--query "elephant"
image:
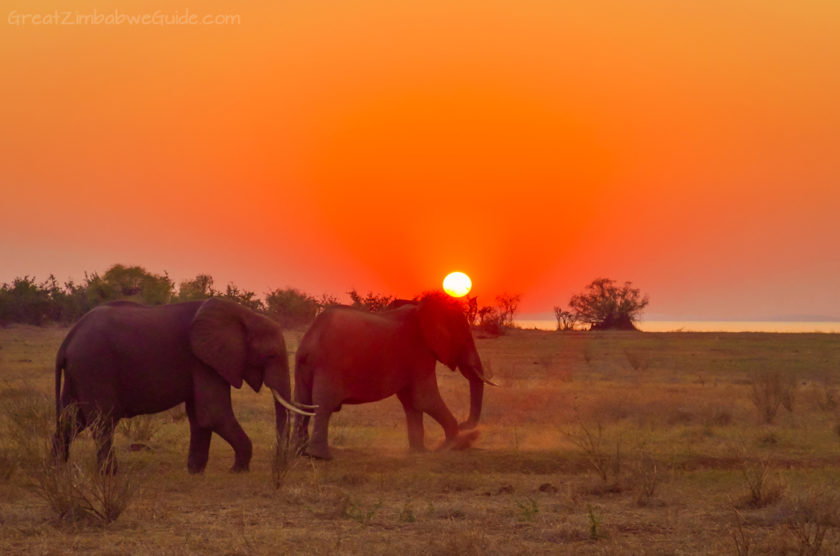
{"points": [[123, 359], [352, 356]]}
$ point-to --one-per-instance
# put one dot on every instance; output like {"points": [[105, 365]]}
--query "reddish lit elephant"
{"points": [[351, 356]]}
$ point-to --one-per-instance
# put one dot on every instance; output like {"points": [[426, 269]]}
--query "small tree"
{"points": [[491, 320], [129, 282], [371, 301], [291, 307], [243, 297], [200, 287], [566, 320], [604, 305], [508, 305], [24, 300], [470, 305]]}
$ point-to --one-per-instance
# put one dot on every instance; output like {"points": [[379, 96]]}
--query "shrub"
{"points": [[810, 516], [597, 450], [647, 474], [141, 428], [76, 492], [25, 301], [507, 305], [200, 287], [291, 307], [763, 486], [566, 320], [771, 391], [243, 297], [83, 492], [283, 455], [491, 321], [129, 282], [606, 306], [372, 302]]}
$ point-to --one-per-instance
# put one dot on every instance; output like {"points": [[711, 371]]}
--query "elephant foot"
{"points": [[318, 452], [239, 468], [462, 441], [469, 424], [196, 464]]}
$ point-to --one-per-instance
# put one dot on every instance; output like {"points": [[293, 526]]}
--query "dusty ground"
{"points": [[609, 443]]}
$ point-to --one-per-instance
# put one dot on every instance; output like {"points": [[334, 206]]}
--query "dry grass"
{"points": [[680, 404]]}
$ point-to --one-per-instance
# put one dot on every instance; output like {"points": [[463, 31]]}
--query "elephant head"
{"points": [[447, 333], [243, 345]]}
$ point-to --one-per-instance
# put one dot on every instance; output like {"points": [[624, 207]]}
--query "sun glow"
{"points": [[457, 284]]}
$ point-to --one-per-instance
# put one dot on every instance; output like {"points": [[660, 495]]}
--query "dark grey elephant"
{"points": [[123, 359], [351, 356]]}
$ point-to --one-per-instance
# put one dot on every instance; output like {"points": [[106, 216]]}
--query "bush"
{"points": [[763, 486], [292, 308], [507, 305], [200, 287], [371, 301], [566, 320], [606, 306], [810, 516], [25, 301], [771, 391], [243, 297], [129, 282], [491, 321]]}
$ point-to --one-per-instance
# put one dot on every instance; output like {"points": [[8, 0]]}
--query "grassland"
{"points": [[592, 443]]}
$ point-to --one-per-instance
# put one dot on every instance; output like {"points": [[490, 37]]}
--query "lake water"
{"points": [[709, 326]]}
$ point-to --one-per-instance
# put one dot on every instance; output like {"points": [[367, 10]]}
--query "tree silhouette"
{"points": [[604, 305]]}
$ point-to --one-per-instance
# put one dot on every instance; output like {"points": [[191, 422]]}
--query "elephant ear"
{"points": [[217, 338], [441, 329]]}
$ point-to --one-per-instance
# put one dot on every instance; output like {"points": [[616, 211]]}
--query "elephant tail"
{"points": [[60, 365]]}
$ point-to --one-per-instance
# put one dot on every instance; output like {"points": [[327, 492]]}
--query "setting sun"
{"points": [[457, 284]]}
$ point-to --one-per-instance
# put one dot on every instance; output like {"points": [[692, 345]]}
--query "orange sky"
{"points": [[694, 150]]}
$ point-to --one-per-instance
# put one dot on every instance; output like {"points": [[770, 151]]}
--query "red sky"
{"points": [[537, 145]]}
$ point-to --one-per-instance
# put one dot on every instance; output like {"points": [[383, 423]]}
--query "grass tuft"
{"points": [[770, 391]]}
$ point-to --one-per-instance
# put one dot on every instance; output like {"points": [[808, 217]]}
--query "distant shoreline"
{"points": [[829, 327]]}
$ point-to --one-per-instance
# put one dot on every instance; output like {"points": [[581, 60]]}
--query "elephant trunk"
{"points": [[473, 371], [476, 397], [277, 379]]}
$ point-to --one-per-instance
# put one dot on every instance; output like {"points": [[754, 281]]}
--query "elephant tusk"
{"points": [[305, 405], [289, 406]]}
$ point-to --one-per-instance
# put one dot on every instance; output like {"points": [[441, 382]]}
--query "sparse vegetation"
{"points": [[602, 453], [810, 516], [770, 391], [763, 484], [606, 306], [525, 488], [291, 307], [566, 320], [370, 301]]}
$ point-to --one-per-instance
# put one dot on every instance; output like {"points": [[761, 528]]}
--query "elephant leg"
{"points": [[317, 447], [71, 422], [232, 432], [199, 443], [426, 397], [414, 422], [301, 431], [103, 434]]}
